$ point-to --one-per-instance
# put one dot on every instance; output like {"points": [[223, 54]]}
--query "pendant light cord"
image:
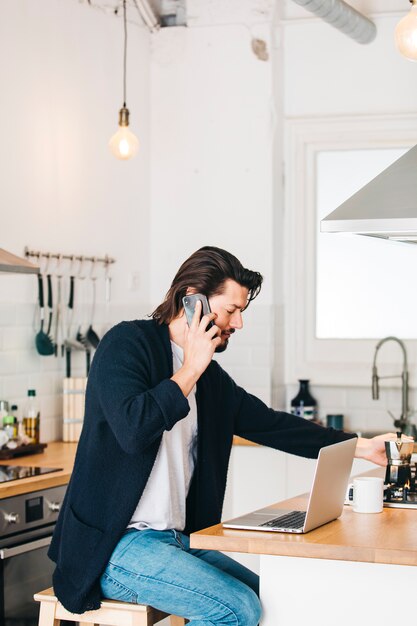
{"points": [[125, 53]]}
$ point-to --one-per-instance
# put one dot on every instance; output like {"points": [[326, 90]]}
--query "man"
{"points": [[152, 460]]}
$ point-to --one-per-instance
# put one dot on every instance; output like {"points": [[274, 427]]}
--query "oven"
{"points": [[27, 522]]}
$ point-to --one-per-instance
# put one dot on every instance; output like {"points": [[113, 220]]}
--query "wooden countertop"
{"points": [[387, 537], [57, 454]]}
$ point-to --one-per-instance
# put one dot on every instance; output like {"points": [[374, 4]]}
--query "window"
{"points": [[361, 282], [343, 292]]}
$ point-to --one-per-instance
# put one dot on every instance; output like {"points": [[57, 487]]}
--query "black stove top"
{"points": [[17, 472]]}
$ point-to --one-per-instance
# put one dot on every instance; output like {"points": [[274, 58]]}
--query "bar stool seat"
{"points": [[111, 613]]}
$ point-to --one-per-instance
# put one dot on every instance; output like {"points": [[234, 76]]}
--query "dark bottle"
{"points": [[304, 405]]}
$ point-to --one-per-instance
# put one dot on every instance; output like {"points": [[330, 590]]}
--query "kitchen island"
{"points": [[348, 571]]}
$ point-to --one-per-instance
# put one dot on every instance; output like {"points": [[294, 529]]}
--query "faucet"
{"points": [[402, 423]]}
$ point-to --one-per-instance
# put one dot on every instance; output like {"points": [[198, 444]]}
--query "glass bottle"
{"points": [[10, 425], [31, 417], [304, 405], [4, 409]]}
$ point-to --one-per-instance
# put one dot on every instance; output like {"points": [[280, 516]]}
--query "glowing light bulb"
{"points": [[124, 144], [406, 34]]}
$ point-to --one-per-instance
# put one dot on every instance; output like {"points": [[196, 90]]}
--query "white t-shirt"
{"points": [[162, 505]]}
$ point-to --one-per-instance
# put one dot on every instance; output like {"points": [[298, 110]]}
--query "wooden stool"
{"points": [[111, 613]]}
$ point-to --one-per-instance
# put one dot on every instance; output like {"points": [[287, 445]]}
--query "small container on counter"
{"points": [[10, 426], [4, 409], [10, 423], [32, 417], [334, 420]]}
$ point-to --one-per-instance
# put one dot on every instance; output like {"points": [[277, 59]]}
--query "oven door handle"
{"points": [[6, 553]]}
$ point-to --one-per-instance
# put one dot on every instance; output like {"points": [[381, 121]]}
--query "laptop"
{"points": [[326, 500]]}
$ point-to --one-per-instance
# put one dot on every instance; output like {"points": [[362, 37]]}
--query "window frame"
{"points": [[340, 362]]}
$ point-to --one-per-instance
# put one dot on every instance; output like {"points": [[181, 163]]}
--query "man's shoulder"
{"points": [[133, 342], [145, 328]]}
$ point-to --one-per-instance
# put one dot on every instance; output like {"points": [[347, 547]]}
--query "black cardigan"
{"points": [[130, 402]]}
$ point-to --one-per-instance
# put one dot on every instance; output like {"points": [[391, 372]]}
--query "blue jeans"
{"points": [[160, 569]]}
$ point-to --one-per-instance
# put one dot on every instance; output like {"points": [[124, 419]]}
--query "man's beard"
{"points": [[223, 346]]}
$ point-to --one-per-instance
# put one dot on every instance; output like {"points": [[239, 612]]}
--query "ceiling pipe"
{"points": [[147, 14], [343, 17]]}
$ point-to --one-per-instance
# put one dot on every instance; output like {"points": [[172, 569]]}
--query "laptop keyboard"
{"points": [[294, 519]]}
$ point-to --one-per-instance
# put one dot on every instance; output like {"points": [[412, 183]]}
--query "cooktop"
{"points": [[16, 472]]}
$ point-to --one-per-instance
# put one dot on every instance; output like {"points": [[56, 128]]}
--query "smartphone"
{"points": [[189, 303]]}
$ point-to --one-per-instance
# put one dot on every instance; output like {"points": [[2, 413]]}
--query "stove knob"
{"points": [[54, 506], [12, 518]]}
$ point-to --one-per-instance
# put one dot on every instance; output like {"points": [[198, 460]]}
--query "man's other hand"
{"points": [[374, 449]]}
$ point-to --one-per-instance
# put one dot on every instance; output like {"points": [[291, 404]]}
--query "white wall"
{"points": [[212, 163], [61, 189], [327, 74], [208, 114]]}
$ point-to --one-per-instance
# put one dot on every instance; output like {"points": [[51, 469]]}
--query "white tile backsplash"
{"points": [[250, 377], [356, 404], [235, 354], [17, 338], [255, 359], [25, 314], [262, 355], [22, 368], [8, 314], [8, 362]]}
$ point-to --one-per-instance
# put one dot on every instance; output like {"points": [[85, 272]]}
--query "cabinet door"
{"points": [[256, 479]]}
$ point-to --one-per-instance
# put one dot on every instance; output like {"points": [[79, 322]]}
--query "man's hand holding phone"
{"points": [[201, 340], [200, 343]]}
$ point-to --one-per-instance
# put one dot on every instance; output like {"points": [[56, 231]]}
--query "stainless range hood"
{"points": [[386, 207], [11, 263]]}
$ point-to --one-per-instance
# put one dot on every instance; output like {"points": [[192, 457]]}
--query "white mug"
{"points": [[368, 494]]}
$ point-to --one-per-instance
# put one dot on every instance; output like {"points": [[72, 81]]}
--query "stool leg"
{"points": [[47, 614], [142, 619], [177, 621]]}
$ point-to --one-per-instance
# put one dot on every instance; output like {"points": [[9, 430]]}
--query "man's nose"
{"points": [[236, 320]]}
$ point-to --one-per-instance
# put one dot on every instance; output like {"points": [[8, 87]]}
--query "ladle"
{"points": [[44, 344], [92, 338], [80, 337]]}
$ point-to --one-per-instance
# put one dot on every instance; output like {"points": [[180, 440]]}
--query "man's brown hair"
{"points": [[206, 271]]}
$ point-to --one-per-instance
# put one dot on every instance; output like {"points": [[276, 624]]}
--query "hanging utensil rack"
{"points": [[106, 260], [73, 388]]}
